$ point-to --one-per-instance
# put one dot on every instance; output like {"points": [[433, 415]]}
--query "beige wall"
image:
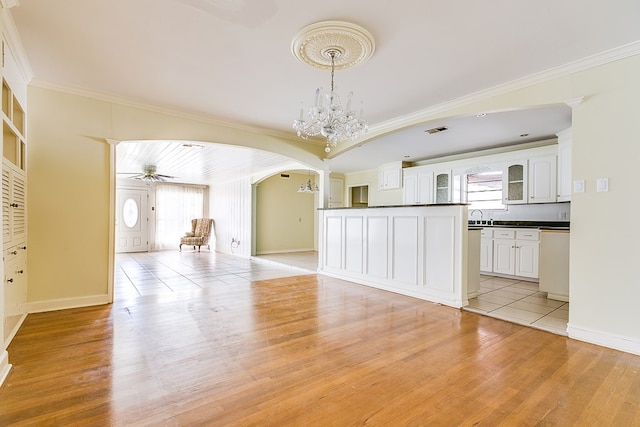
{"points": [[604, 229], [68, 197], [370, 178], [69, 189], [284, 217]]}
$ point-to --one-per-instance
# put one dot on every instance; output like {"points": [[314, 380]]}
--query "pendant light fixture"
{"points": [[333, 45]]}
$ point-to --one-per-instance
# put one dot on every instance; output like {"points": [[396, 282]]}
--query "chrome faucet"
{"points": [[474, 211]]}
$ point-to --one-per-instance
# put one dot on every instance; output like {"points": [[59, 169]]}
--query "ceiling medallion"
{"points": [[333, 45]]}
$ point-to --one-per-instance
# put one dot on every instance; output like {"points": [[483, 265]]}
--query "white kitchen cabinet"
{"points": [[417, 187], [514, 183], [516, 252], [486, 250], [336, 192], [442, 186], [527, 258], [504, 252], [564, 166], [554, 264], [390, 176], [542, 179]]}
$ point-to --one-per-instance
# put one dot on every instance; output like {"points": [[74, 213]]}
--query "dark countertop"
{"points": [[542, 225], [394, 206]]}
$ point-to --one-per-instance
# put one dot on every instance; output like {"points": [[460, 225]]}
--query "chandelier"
{"points": [[308, 187], [328, 118], [334, 45]]}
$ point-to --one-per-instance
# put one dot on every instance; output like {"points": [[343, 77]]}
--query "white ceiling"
{"points": [[231, 60]]}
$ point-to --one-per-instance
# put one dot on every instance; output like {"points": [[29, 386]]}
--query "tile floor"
{"points": [[307, 260], [169, 272], [520, 302]]}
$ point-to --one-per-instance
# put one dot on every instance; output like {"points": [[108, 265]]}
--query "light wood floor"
{"points": [[306, 351]]}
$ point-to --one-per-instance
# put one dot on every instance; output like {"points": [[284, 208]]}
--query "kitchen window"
{"points": [[484, 190]]}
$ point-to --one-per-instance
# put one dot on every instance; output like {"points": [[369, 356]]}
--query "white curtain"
{"points": [[176, 206]]}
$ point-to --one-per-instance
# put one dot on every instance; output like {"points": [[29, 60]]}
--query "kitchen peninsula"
{"points": [[419, 251]]}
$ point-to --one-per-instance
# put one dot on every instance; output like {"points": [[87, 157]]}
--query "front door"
{"points": [[131, 220]]}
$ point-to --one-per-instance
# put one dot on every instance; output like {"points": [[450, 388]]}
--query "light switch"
{"points": [[602, 185], [578, 186]]}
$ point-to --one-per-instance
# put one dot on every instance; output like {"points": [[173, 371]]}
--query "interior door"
{"points": [[132, 220]]}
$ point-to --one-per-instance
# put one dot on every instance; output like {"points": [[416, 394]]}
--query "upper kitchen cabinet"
{"points": [[443, 187], [514, 183], [390, 176], [336, 192], [417, 186], [542, 179], [564, 165]]}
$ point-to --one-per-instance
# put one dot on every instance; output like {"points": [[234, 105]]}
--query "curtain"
{"points": [[176, 206]]}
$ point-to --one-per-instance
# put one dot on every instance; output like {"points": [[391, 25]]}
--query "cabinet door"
{"points": [[514, 183], [564, 170], [442, 182], [486, 255], [336, 193], [390, 178], [410, 189], [504, 256], [527, 258], [425, 183], [542, 179]]}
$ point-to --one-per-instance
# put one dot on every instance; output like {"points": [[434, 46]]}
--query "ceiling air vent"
{"points": [[284, 175], [436, 130]]}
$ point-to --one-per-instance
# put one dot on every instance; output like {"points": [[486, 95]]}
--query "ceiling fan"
{"points": [[149, 173]]}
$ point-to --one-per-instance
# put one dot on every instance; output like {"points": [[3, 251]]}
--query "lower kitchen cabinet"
{"points": [[516, 252], [554, 264], [486, 250]]}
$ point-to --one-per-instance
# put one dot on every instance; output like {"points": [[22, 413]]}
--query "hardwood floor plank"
{"points": [[305, 350]]}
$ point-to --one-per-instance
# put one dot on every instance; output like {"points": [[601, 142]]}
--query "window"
{"points": [[484, 190], [176, 205]]}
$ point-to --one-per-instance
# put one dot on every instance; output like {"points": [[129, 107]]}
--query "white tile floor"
{"points": [[520, 302], [168, 272], [307, 260]]}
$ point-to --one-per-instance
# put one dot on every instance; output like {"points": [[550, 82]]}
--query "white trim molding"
{"points": [[5, 366], [604, 339], [66, 303]]}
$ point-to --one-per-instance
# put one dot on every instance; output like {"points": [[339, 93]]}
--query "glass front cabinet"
{"points": [[514, 183]]}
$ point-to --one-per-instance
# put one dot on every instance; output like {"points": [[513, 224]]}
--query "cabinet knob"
{"points": [[14, 205], [9, 280], [23, 248], [14, 252], [20, 271]]}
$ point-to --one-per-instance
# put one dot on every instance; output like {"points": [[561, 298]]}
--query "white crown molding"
{"points": [[128, 102], [13, 40], [602, 58], [7, 4]]}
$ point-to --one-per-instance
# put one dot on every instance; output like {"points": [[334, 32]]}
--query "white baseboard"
{"points": [[286, 251], [600, 338], [65, 303], [5, 366]]}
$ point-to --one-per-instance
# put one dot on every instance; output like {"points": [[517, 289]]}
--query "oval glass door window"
{"points": [[130, 213]]}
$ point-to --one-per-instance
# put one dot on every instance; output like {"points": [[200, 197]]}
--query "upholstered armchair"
{"points": [[199, 234]]}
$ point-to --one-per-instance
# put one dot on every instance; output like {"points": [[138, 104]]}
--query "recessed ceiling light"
{"points": [[406, 157], [522, 135], [481, 114]]}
